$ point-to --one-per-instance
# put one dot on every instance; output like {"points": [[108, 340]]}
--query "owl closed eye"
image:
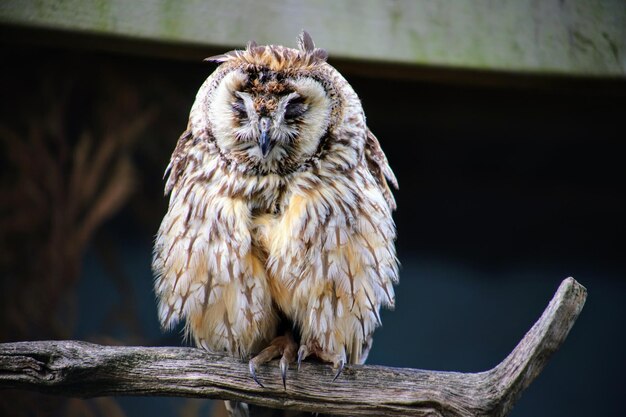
{"points": [[273, 121]]}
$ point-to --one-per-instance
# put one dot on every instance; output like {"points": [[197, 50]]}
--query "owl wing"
{"points": [[380, 169], [178, 161], [333, 250], [206, 271]]}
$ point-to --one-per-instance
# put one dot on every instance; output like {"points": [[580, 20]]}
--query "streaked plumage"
{"points": [[279, 210]]}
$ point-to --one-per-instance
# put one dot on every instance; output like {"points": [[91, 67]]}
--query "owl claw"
{"points": [[303, 352], [283, 347], [253, 373], [283, 370], [341, 365], [337, 359]]}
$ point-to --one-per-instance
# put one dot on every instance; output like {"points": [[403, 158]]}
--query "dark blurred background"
{"points": [[509, 183]]}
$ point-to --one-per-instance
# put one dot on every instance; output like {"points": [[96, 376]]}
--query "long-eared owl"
{"points": [[278, 240]]}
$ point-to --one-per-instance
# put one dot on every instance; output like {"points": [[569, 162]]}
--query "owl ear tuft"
{"points": [[307, 47], [320, 54], [305, 42]]}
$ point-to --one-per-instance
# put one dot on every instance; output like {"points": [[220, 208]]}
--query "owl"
{"points": [[279, 240]]}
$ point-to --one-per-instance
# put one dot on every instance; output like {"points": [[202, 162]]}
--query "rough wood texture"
{"points": [[87, 370], [577, 37]]}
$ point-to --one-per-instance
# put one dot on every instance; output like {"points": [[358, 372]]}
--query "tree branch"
{"points": [[86, 370]]}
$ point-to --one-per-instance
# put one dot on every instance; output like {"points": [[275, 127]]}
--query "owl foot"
{"points": [[283, 347], [337, 359]]}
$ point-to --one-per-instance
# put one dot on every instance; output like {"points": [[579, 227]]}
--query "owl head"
{"points": [[272, 109]]}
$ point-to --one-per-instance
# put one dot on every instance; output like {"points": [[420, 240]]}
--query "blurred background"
{"points": [[504, 123]]}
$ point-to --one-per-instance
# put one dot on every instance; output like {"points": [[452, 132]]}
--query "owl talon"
{"points": [[340, 366], [252, 368], [283, 347], [283, 370], [337, 359], [303, 352]]}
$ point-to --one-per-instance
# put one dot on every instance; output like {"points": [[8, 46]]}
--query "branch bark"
{"points": [[83, 369]]}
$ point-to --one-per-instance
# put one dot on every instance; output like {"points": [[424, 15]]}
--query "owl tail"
{"points": [[237, 409]]}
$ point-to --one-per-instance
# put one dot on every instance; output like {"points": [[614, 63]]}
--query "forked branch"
{"points": [[82, 369]]}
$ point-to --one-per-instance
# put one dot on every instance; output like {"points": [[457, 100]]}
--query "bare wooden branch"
{"points": [[83, 369]]}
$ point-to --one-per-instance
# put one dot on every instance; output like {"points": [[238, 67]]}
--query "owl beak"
{"points": [[265, 140]]}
